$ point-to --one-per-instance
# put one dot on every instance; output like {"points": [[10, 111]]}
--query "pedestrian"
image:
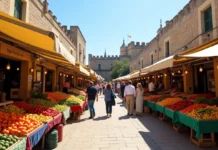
{"points": [[118, 88], [108, 93], [66, 86], [129, 95], [100, 88], [91, 95], [122, 88], [139, 99], [151, 87], [97, 87]]}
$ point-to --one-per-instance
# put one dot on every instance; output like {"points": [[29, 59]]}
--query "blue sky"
{"points": [[104, 23]]}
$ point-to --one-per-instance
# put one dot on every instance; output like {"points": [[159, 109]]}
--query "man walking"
{"points": [[129, 95], [91, 95]]}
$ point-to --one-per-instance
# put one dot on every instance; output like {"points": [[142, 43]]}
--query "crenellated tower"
{"points": [[123, 49]]}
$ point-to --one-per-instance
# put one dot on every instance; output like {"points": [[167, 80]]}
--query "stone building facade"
{"points": [[102, 65], [36, 13], [193, 26]]}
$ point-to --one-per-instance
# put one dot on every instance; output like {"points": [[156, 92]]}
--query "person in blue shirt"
{"points": [[91, 95], [108, 92]]}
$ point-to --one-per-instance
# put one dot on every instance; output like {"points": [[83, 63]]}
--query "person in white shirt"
{"points": [[151, 87], [129, 96], [97, 87], [118, 88]]}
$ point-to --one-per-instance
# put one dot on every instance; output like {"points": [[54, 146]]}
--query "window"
{"points": [[152, 58], [167, 49], [71, 52], [99, 66], [18, 9], [208, 23]]}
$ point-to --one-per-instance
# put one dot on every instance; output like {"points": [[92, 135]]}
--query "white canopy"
{"points": [[60, 48], [83, 70], [146, 69], [162, 64], [135, 75], [208, 52]]}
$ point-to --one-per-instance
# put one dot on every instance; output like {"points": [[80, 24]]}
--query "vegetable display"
{"points": [[7, 140], [193, 107], [41, 102], [25, 106], [169, 101], [40, 117], [180, 105], [60, 108], [12, 109], [207, 113], [17, 124]]}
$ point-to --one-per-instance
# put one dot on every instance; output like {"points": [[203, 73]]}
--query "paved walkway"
{"points": [[122, 133]]}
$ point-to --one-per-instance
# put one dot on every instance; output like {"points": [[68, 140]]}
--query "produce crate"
{"points": [[206, 139], [15, 145]]}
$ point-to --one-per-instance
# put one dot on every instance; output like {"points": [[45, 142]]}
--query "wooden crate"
{"points": [[204, 141]]}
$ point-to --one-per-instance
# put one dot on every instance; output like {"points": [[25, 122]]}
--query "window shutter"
{"points": [[208, 22]]}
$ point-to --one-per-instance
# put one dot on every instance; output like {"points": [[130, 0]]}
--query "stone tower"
{"points": [[123, 49]]}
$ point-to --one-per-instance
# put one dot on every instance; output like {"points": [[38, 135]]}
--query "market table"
{"points": [[159, 108], [34, 137], [199, 126], [169, 113], [150, 104], [78, 108], [66, 114], [57, 120], [21, 145]]}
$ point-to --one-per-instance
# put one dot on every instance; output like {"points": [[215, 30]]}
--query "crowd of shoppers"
{"points": [[127, 91]]}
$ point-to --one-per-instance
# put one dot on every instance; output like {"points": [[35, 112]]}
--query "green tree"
{"points": [[120, 68]]}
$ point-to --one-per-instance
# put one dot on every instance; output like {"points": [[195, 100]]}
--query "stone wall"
{"points": [[183, 32], [78, 39], [47, 21], [5, 6]]}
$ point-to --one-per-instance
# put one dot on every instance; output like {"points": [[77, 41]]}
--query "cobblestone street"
{"points": [[122, 133]]}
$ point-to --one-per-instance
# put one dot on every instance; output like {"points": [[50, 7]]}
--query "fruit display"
{"points": [[12, 109], [153, 98], [42, 102], [169, 101], [7, 140], [70, 102], [81, 97], [57, 96], [180, 105], [201, 100], [194, 96], [60, 108], [193, 107], [50, 112], [207, 113], [40, 117], [25, 106], [44, 111], [75, 99], [17, 124]]}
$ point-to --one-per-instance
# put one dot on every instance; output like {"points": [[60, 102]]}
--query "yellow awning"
{"points": [[33, 39]]}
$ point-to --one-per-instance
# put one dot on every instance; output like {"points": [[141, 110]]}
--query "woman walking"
{"points": [[108, 93], [139, 99]]}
